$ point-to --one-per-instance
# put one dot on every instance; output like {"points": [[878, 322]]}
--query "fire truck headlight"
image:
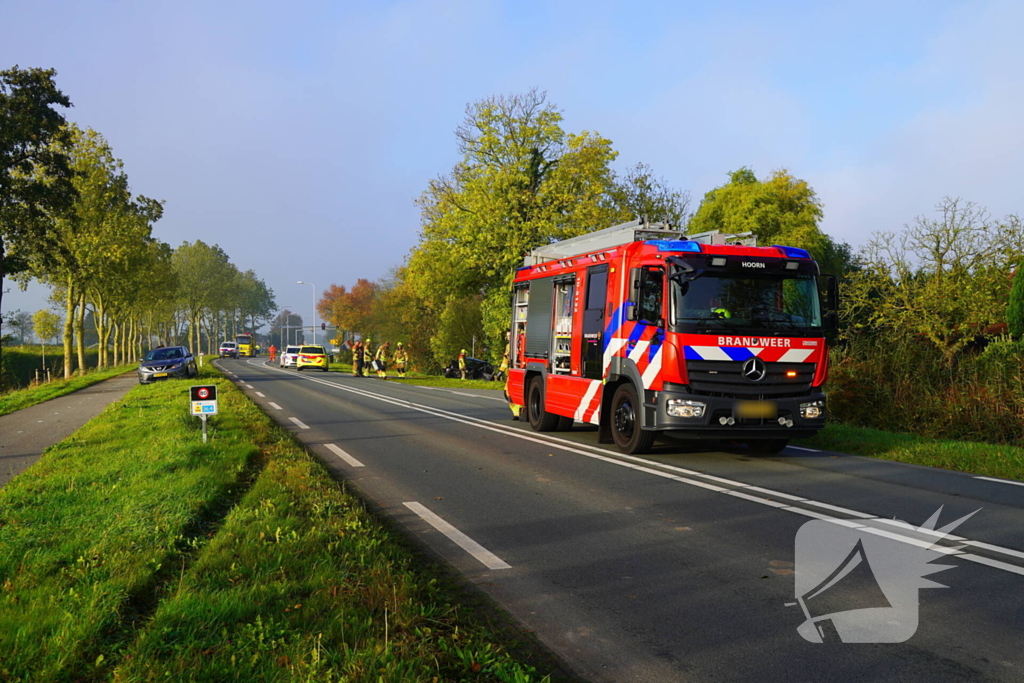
{"points": [[813, 410], [678, 407]]}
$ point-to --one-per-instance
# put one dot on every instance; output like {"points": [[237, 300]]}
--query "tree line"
{"points": [[69, 219], [522, 181]]}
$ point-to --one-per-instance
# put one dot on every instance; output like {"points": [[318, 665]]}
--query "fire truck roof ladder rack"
{"points": [[608, 238], [748, 239]]}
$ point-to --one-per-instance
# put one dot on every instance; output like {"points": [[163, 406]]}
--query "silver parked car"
{"points": [[167, 362], [290, 356]]}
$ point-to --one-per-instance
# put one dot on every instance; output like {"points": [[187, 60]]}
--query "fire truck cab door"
{"points": [[648, 295], [594, 322]]}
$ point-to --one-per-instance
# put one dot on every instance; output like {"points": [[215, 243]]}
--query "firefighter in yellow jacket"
{"points": [[357, 359], [462, 363], [367, 356], [382, 359], [401, 359]]}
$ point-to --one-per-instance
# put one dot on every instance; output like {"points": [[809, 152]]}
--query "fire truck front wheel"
{"points": [[626, 422], [540, 419]]}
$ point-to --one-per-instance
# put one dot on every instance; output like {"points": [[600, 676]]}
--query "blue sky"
{"points": [[297, 135]]}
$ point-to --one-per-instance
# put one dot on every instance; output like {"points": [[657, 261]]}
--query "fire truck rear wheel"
{"points": [[767, 445], [626, 422], [540, 419]]}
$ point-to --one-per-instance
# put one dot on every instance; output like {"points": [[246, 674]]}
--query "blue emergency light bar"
{"points": [[676, 245], [793, 252]]}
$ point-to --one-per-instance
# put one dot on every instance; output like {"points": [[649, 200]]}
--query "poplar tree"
{"points": [[34, 173]]}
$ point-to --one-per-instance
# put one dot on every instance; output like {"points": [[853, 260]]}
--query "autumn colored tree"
{"points": [[332, 305]]}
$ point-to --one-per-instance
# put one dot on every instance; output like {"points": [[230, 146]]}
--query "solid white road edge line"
{"points": [[992, 563], [298, 422], [343, 455], [577, 448], [801, 448], [482, 554], [1002, 481]]}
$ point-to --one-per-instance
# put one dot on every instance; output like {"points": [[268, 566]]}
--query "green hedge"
{"points": [[907, 387], [18, 364]]}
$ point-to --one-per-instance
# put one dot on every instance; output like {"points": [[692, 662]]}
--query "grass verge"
{"points": [[133, 552], [989, 460], [24, 398], [423, 380]]}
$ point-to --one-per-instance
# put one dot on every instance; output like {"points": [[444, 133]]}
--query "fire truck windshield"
{"points": [[750, 301]]}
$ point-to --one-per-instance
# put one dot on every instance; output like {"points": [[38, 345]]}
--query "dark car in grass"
{"points": [[168, 362], [475, 369]]}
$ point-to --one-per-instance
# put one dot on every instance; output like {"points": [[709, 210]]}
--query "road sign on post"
{"points": [[204, 402]]}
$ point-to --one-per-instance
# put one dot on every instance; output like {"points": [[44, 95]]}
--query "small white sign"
{"points": [[204, 407]]}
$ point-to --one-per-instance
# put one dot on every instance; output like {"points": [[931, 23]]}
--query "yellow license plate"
{"points": [[762, 409], [160, 374]]}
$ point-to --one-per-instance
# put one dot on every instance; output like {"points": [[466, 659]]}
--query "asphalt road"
{"points": [[681, 565]]}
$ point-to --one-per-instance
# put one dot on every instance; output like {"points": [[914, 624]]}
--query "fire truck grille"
{"points": [[725, 378]]}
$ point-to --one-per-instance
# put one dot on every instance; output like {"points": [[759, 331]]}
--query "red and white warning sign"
{"points": [[204, 399]]}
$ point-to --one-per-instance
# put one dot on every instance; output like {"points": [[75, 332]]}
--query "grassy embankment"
{"points": [[23, 398], [133, 552], [990, 460]]}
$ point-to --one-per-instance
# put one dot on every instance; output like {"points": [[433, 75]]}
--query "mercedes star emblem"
{"points": [[755, 369]]}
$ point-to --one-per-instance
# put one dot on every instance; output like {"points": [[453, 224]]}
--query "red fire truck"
{"points": [[639, 329]]}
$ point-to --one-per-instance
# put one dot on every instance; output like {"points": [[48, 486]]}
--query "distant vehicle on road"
{"points": [[228, 349], [312, 357], [246, 345], [290, 357], [166, 363]]}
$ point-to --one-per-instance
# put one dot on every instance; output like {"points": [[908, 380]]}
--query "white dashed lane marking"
{"points": [[343, 455], [485, 556]]}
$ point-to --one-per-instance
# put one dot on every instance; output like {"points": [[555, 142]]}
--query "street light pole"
{"points": [[313, 319], [284, 327]]}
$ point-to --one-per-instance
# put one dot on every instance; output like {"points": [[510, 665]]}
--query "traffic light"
{"points": [[323, 326]]}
